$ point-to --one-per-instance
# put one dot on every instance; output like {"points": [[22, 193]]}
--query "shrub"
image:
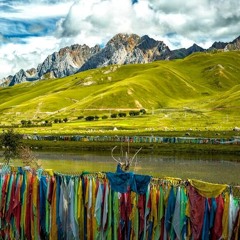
{"points": [[23, 122], [134, 113], [11, 143], [104, 117], [143, 111], [89, 118], [122, 114], [114, 115]]}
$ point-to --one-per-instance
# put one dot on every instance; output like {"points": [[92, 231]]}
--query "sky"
{"points": [[30, 30]]}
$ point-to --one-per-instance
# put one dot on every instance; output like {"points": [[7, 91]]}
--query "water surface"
{"points": [[211, 168]]}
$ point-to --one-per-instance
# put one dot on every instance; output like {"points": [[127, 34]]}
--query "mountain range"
{"points": [[122, 49]]}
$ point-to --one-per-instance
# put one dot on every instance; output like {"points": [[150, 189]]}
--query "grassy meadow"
{"points": [[199, 93]]}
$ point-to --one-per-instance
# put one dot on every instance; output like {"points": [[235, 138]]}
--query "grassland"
{"points": [[200, 92]]}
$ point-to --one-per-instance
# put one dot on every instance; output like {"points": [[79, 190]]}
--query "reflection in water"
{"points": [[212, 168]]}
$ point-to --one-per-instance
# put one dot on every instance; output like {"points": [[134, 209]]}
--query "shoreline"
{"points": [[153, 148]]}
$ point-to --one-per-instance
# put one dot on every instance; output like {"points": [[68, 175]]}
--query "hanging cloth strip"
{"points": [[206, 189], [121, 181]]}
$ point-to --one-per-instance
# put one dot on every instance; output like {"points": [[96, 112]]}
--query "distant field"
{"points": [[200, 93], [163, 122]]}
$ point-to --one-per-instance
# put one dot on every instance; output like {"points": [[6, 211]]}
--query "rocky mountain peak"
{"points": [[195, 48], [236, 40], [32, 71], [19, 77], [66, 61], [124, 39], [63, 63], [128, 49], [146, 43], [6, 81], [218, 45], [234, 45]]}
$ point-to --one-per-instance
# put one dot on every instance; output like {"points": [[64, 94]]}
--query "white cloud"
{"points": [[97, 18], [190, 21], [25, 56], [35, 10]]}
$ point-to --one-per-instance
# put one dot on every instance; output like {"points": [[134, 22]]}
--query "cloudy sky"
{"points": [[30, 30]]}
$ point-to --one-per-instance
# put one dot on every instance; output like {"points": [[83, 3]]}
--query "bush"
{"points": [[65, 120], [80, 117], [134, 113], [122, 114], [11, 143], [89, 118], [104, 117], [27, 123], [24, 122], [143, 111], [96, 117], [114, 115]]}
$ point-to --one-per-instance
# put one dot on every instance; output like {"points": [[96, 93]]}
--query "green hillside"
{"points": [[202, 90]]}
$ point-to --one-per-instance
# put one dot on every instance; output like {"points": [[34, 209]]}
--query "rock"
{"points": [[218, 45], [237, 129], [59, 64], [67, 61], [234, 45], [23, 76], [128, 49]]}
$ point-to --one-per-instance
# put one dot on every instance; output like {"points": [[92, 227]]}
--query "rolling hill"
{"points": [[206, 84]]}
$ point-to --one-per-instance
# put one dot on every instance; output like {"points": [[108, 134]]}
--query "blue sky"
{"points": [[30, 30]]}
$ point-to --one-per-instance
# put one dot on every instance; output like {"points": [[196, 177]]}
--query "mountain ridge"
{"points": [[120, 49]]}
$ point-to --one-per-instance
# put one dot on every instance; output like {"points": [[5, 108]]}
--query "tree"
{"points": [[28, 158], [113, 115], [122, 114], [23, 122], [131, 113], [80, 117], [134, 113], [65, 120], [11, 142], [89, 118], [143, 111], [104, 117], [96, 117]]}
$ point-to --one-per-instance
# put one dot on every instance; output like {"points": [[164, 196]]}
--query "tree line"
{"points": [[48, 123], [131, 113]]}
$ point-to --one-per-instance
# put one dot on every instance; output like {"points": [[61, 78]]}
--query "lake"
{"points": [[212, 168]]}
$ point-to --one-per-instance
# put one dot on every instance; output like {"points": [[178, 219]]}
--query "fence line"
{"points": [[135, 139]]}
